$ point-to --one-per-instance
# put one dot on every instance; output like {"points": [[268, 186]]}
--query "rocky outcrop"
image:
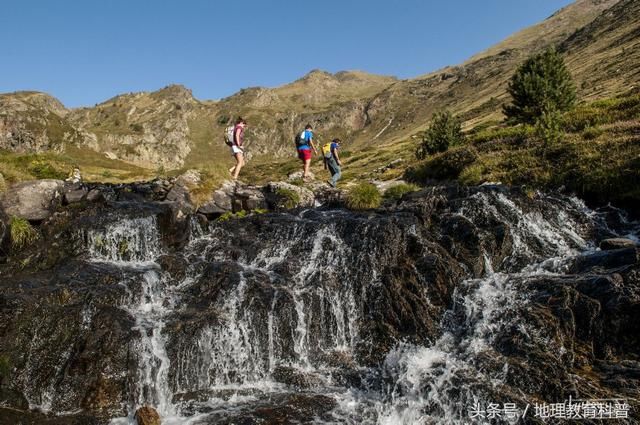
{"points": [[36, 122], [32, 200], [180, 192], [234, 197], [281, 195], [143, 307]]}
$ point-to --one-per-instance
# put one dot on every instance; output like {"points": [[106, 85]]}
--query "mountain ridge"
{"points": [[172, 129]]}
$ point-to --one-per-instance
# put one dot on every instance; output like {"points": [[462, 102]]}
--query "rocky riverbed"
{"points": [[414, 313]]}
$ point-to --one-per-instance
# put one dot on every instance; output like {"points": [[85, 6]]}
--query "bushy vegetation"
{"points": [[598, 159], [364, 196], [444, 166], [540, 88], [398, 191], [445, 130], [22, 232], [43, 169]]}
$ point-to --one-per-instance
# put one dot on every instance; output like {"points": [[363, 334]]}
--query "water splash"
{"points": [[134, 240]]}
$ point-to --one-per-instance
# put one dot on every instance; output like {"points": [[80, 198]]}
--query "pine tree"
{"points": [[540, 84], [445, 130]]}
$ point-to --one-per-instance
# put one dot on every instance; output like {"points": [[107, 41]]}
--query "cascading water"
{"points": [[403, 317]]}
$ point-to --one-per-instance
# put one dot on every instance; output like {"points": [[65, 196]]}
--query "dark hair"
{"points": [[308, 127], [336, 141], [240, 120]]}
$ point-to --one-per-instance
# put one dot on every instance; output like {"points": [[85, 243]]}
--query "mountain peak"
{"points": [[175, 92]]}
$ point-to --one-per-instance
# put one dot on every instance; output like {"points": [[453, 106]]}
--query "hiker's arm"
{"points": [[335, 153], [236, 137], [313, 146]]}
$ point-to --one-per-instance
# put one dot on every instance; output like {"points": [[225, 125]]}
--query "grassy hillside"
{"points": [[597, 156]]}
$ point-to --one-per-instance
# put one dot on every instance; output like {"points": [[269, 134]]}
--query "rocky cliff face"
{"points": [[418, 310], [36, 122]]}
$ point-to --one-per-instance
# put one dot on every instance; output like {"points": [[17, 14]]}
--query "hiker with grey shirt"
{"points": [[332, 161]]}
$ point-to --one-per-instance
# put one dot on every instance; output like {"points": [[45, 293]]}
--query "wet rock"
{"points": [[74, 193], [281, 195], [4, 235], [616, 243], [605, 260], [32, 200], [147, 415], [175, 265], [295, 378], [94, 195]]}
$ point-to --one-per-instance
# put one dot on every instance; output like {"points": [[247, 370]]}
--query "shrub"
{"points": [[592, 133], [398, 191], [224, 120], [138, 128], [364, 196], [288, 198], [582, 118], [542, 83], [548, 126], [445, 130], [22, 232]]}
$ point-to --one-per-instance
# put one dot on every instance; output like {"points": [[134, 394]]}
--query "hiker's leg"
{"points": [[307, 163], [238, 167], [336, 175]]}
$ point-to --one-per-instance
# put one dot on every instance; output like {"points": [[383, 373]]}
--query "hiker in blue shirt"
{"points": [[304, 144], [332, 160]]}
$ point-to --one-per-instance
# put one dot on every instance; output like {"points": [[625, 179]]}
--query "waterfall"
{"points": [[407, 316]]}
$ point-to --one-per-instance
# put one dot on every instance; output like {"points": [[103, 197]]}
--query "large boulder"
{"points": [[75, 192], [221, 200], [281, 195], [32, 200]]}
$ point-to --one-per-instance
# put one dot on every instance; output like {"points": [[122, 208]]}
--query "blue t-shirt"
{"points": [[334, 146], [307, 137]]}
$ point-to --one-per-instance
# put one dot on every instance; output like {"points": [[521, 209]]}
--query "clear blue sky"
{"points": [[86, 51]]}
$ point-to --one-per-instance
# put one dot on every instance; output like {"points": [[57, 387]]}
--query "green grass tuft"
{"points": [[398, 191], [364, 196], [22, 232], [289, 198]]}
